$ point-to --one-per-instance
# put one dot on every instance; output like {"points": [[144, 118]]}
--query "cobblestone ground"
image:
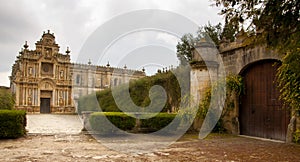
{"points": [[63, 144], [53, 124], [83, 147]]}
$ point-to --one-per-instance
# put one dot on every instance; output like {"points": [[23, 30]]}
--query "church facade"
{"points": [[45, 81]]}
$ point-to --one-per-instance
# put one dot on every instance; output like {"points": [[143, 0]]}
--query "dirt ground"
{"points": [[83, 147]]}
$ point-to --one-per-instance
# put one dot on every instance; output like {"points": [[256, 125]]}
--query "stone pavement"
{"points": [[53, 124]]}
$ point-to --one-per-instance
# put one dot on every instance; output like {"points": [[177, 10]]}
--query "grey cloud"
{"points": [[73, 21], [16, 21]]}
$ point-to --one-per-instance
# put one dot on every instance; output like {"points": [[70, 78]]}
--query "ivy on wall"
{"points": [[234, 88], [288, 77]]}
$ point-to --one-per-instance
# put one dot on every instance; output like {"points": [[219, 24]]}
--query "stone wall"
{"points": [[236, 57]]}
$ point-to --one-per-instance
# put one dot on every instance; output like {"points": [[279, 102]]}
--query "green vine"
{"points": [[204, 104], [296, 136], [234, 83], [288, 77], [234, 87]]}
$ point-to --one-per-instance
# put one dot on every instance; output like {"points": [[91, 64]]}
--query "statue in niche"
{"points": [[29, 91], [29, 101], [61, 74]]}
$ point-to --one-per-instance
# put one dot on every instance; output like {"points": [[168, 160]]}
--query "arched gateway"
{"points": [[261, 112], [258, 112]]}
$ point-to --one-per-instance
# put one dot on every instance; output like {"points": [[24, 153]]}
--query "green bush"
{"points": [[124, 122], [118, 119], [6, 100], [296, 136], [88, 103], [12, 123], [139, 94], [158, 122]]}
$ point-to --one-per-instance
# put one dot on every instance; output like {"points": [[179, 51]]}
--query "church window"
{"points": [[77, 79], [47, 68], [115, 82]]}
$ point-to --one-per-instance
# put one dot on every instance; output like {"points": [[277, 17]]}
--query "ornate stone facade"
{"points": [[45, 81]]}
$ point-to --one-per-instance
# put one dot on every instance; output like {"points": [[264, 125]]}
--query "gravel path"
{"points": [[83, 147], [53, 124], [57, 138]]}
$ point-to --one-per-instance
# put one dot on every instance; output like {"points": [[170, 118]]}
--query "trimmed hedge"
{"points": [[139, 93], [127, 123], [158, 122], [12, 123], [118, 119]]}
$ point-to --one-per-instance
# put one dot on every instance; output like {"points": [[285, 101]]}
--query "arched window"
{"points": [[78, 78], [115, 81]]}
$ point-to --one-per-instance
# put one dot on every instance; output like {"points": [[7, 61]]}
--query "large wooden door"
{"points": [[261, 112], [45, 105]]}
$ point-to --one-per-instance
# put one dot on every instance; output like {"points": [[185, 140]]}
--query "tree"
{"points": [[211, 33], [229, 32], [214, 33], [278, 19], [278, 23], [6, 100], [184, 48]]}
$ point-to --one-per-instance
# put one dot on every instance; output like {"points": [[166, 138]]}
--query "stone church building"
{"points": [[45, 81]]}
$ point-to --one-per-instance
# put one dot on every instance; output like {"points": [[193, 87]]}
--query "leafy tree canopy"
{"points": [[211, 33], [277, 24], [278, 19]]}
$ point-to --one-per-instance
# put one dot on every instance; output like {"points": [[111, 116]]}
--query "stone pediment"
{"points": [[48, 39]]}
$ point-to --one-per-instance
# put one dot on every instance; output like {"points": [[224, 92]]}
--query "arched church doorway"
{"points": [[261, 112]]}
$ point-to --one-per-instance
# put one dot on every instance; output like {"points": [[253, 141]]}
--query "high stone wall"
{"points": [[236, 57]]}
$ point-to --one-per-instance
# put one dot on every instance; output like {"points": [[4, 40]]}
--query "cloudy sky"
{"points": [[72, 23]]}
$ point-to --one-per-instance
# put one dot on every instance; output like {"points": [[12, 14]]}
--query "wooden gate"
{"points": [[45, 105], [261, 112]]}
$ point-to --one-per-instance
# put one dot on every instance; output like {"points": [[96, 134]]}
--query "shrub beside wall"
{"points": [[98, 121], [12, 123], [158, 122], [139, 93]]}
